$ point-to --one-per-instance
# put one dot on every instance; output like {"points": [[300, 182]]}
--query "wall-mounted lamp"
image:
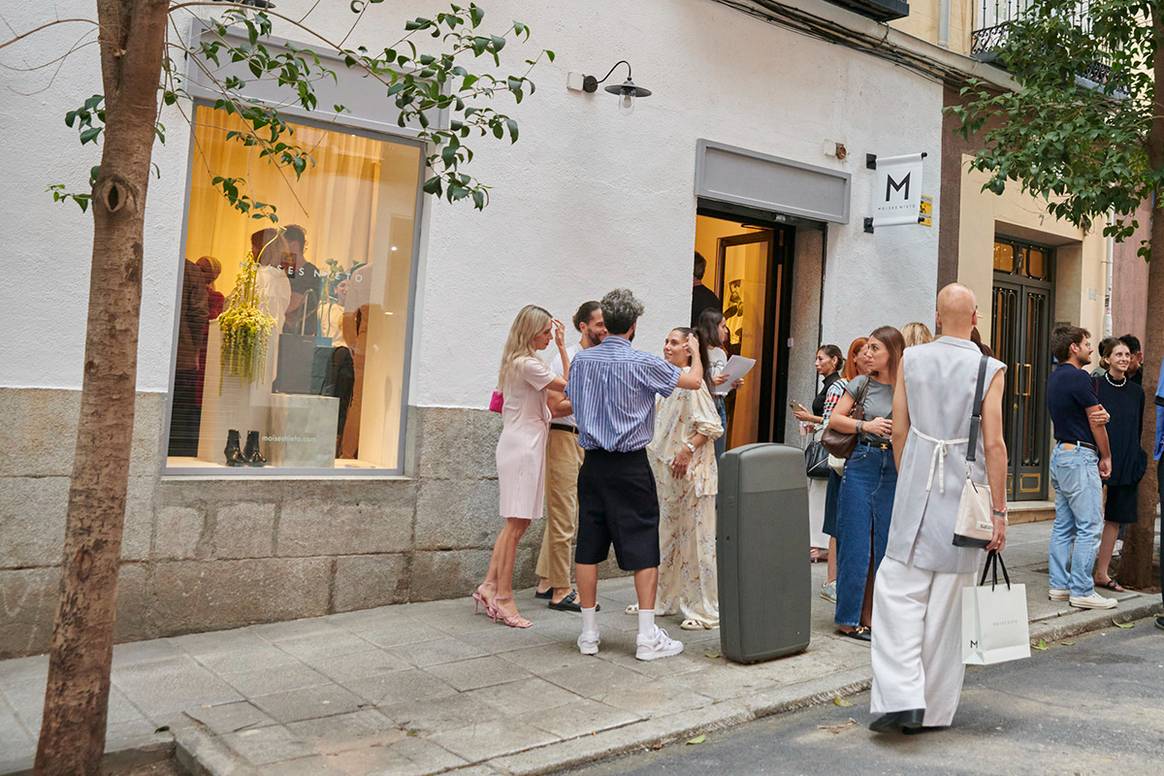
{"points": [[627, 91]]}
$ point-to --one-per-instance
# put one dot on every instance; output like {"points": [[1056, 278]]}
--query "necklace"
{"points": [[1107, 376]]}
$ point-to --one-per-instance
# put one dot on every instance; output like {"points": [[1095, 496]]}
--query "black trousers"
{"points": [[617, 504]]}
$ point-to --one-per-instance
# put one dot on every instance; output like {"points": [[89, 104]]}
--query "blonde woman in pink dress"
{"points": [[521, 451]]}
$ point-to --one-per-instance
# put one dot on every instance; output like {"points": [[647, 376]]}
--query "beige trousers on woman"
{"points": [[563, 460]]}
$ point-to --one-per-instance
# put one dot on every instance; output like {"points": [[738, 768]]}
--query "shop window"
{"points": [[329, 284]]}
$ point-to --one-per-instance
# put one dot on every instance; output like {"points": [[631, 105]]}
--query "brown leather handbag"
{"points": [[841, 444]]}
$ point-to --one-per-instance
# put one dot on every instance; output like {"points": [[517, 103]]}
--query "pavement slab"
{"points": [[422, 688]]}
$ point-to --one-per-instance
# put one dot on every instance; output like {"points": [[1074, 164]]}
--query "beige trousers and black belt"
{"points": [[563, 460]]}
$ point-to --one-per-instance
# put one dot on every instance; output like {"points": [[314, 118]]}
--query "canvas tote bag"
{"points": [[973, 526], [995, 628]]}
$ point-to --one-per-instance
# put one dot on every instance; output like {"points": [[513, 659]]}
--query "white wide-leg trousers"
{"points": [[917, 641]]}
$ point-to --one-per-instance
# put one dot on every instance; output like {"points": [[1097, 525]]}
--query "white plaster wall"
{"points": [[586, 200]]}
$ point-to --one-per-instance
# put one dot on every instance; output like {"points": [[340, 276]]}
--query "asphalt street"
{"points": [[1091, 705]]}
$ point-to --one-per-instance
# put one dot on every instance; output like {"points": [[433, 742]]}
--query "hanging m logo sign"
{"points": [[892, 186], [896, 194]]}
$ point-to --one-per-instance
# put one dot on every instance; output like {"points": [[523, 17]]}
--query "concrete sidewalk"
{"points": [[424, 688]]}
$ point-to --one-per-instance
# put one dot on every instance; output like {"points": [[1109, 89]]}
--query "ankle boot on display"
{"points": [[252, 456], [234, 456]]}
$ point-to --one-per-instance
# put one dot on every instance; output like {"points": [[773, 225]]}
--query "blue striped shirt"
{"points": [[612, 387]]}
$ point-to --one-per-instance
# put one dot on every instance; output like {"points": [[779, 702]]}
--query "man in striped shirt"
{"points": [[612, 389]]}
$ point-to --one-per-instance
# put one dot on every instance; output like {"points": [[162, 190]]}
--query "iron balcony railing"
{"points": [[995, 18]]}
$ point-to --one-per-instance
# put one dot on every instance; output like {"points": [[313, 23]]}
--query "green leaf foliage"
{"points": [[1075, 133], [438, 94]]}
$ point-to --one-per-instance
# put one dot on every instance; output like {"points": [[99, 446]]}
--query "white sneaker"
{"points": [[588, 643], [828, 591], [657, 646], [1093, 601], [1058, 594]]}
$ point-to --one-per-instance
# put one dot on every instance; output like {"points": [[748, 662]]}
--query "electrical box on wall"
{"points": [[881, 10]]}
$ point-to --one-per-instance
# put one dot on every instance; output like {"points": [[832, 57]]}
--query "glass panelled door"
{"points": [[1020, 334]]}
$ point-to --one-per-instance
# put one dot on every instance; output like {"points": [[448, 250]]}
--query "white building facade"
{"points": [[754, 131]]}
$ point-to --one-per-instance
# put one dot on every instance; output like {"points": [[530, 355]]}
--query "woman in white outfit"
{"points": [[686, 478]]}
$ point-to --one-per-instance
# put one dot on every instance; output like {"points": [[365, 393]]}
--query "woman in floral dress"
{"points": [[686, 478]]}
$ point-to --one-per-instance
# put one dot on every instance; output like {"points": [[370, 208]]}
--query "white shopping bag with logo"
{"points": [[995, 628]]}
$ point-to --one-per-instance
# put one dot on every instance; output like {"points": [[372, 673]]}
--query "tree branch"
{"points": [[45, 26]]}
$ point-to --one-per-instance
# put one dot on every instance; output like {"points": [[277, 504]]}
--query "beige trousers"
{"points": [[563, 460]]}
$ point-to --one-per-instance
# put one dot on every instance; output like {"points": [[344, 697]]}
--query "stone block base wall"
{"points": [[208, 553]]}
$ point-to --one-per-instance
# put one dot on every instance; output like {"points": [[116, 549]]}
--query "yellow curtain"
{"points": [[336, 200]]}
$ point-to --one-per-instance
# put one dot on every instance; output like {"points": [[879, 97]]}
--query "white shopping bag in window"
{"points": [[995, 628]]}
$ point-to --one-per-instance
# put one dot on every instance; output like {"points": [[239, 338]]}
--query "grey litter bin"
{"points": [[762, 553]]}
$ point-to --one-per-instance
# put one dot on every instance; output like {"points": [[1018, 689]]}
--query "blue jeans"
{"points": [[1078, 519], [721, 442], [864, 508]]}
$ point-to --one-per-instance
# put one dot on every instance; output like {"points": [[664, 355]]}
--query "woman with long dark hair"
{"points": [[854, 366], [865, 503], [713, 332], [828, 365], [687, 480]]}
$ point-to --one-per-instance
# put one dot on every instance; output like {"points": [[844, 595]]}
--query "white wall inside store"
{"points": [[587, 199]]}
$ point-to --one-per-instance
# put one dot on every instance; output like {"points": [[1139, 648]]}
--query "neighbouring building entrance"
{"points": [[1020, 337], [749, 269]]}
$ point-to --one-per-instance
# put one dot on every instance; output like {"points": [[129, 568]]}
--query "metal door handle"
{"points": [[1030, 376]]}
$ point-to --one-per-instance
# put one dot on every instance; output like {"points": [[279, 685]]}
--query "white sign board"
{"points": [[897, 190]]}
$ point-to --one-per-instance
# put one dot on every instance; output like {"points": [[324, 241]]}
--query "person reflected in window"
{"points": [[187, 414], [303, 311], [702, 297], [357, 297], [211, 269], [271, 283]]}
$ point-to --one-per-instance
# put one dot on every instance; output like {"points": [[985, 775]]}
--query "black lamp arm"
{"points": [[590, 83]]}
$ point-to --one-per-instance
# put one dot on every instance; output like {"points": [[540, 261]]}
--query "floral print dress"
{"points": [[687, 572]]}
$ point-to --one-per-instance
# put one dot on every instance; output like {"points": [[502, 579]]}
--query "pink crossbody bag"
{"points": [[496, 401]]}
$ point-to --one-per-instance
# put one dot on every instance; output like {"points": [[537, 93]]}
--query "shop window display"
{"points": [[291, 336]]}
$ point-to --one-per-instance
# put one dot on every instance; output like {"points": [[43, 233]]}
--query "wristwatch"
{"points": [[690, 447], [998, 513]]}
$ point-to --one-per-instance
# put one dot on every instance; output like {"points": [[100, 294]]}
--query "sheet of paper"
{"points": [[735, 368]]}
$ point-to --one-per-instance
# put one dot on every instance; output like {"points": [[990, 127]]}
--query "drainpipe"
{"points": [[1110, 262], [944, 24]]}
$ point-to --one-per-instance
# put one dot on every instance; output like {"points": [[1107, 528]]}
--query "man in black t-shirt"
{"points": [[302, 313], [702, 297], [1081, 457]]}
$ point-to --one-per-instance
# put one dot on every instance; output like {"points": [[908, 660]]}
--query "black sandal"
{"points": [[570, 603], [1112, 585], [547, 594], [860, 633]]}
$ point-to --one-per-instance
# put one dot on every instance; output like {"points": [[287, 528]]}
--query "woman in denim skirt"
{"points": [[865, 500]]}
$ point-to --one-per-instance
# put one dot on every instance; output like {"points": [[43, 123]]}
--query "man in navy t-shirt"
{"points": [[1081, 457]]}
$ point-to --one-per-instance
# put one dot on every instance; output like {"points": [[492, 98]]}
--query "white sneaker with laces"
{"points": [[657, 645], [1058, 594], [1093, 601], [588, 643]]}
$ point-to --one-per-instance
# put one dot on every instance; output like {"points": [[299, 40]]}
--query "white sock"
{"points": [[590, 620], [647, 622]]}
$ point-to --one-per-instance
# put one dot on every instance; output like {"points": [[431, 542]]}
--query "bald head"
{"points": [[957, 310]]}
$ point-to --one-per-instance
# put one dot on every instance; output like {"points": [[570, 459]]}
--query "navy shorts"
{"points": [[617, 504]]}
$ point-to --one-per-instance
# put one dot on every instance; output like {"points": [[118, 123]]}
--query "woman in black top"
{"points": [[828, 364], [1124, 401], [829, 361]]}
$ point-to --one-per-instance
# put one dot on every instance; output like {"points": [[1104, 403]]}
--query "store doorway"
{"points": [[1020, 336], [749, 269]]}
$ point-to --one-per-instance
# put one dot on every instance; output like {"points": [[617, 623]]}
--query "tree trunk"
{"points": [[72, 737], [1136, 560]]}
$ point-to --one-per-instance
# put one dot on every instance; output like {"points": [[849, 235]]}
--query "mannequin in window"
{"points": [[272, 283]]}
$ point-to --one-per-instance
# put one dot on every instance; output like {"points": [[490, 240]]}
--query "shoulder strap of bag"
{"points": [[860, 400], [976, 412]]}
